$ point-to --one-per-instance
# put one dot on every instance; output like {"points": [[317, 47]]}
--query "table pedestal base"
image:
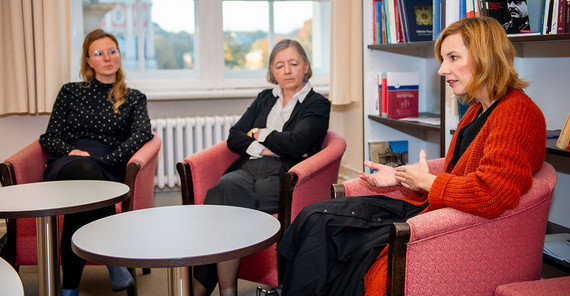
{"points": [[178, 284], [48, 256]]}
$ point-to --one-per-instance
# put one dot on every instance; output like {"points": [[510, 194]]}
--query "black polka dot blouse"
{"points": [[83, 111]]}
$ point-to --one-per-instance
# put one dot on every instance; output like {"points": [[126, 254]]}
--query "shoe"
{"points": [[121, 278], [263, 292], [69, 292]]}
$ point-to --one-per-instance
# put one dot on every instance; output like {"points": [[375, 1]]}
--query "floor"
{"points": [[95, 280]]}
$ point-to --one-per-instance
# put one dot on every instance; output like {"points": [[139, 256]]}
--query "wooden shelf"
{"points": [[408, 124], [552, 149], [426, 45], [539, 38]]}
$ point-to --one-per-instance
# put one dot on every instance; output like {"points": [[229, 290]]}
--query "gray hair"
{"points": [[285, 43]]}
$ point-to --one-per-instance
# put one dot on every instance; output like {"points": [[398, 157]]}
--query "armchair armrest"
{"points": [[26, 166], [358, 187], [140, 176]]}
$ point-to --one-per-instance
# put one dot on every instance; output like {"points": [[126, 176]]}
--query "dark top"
{"points": [[468, 133], [84, 111], [302, 134]]}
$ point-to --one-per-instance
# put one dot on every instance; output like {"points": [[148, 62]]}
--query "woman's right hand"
{"points": [[384, 177], [79, 152]]}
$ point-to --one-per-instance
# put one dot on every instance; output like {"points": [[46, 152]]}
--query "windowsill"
{"points": [[227, 93]]}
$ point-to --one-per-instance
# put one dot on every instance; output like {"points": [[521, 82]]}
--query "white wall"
{"points": [[19, 130]]}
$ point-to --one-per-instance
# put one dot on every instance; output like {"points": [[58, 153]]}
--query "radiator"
{"points": [[182, 137]]}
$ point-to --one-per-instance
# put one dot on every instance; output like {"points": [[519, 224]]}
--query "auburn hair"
{"points": [[118, 92], [491, 55]]}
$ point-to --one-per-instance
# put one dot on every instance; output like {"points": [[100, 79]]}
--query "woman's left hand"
{"points": [[416, 177]]}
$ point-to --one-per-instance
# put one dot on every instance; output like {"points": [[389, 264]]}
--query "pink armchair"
{"points": [[305, 183], [559, 286], [449, 252], [27, 166]]}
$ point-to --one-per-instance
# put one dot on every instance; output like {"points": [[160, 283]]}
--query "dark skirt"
{"points": [[97, 150], [330, 245]]}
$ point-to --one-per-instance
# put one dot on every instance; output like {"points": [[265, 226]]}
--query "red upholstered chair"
{"points": [[559, 286], [449, 252], [27, 166], [305, 183]]}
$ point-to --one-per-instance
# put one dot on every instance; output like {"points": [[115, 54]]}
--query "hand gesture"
{"points": [[384, 177], [416, 177]]}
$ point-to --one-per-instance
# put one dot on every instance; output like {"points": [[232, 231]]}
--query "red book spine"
{"points": [[384, 96], [561, 16]]}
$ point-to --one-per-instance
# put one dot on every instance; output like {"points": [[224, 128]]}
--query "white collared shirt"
{"points": [[277, 117]]}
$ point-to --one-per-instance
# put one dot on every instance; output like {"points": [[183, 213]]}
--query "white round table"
{"points": [[46, 200], [176, 237], [10, 282]]}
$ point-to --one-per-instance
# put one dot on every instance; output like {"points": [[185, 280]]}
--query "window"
{"points": [[204, 48]]}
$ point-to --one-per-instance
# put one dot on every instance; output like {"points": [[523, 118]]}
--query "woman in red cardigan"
{"points": [[338, 247]]}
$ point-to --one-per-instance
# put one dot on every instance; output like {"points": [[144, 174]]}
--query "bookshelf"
{"points": [[542, 60], [403, 57]]}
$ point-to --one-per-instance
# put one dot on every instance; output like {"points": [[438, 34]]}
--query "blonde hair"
{"points": [[118, 92], [491, 55], [285, 43]]}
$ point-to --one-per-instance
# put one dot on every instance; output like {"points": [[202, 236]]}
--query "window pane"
{"points": [[245, 26], [303, 21], [174, 33], [167, 40]]}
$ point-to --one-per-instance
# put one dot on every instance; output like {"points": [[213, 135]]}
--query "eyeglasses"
{"points": [[110, 52]]}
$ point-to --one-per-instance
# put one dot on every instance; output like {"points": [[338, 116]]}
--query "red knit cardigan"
{"points": [[491, 175]]}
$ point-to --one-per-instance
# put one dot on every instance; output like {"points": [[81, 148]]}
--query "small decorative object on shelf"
{"points": [[563, 141]]}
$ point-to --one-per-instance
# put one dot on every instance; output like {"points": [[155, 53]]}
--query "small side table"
{"points": [[10, 282], [176, 237], [44, 201]]}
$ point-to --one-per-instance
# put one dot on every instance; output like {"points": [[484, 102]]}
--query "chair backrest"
{"points": [[466, 254], [201, 171]]}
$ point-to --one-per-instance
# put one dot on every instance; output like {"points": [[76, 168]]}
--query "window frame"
{"points": [[210, 82]]}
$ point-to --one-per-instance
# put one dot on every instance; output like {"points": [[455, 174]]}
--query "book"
{"points": [[404, 21], [554, 17], [419, 16], [436, 27], [563, 141], [535, 14], [398, 22], [400, 91], [547, 17], [567, 29], [513, 16], [391, 153], [561, 28]]}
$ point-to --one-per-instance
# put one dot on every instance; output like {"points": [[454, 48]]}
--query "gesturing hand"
{"points": [[416, 177], [384, 176]]}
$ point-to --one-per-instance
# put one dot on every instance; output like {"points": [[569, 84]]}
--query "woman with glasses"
{"points": [[95, 127]]}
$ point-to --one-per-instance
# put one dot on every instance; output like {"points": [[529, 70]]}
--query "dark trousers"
{"points": [[256, 186], [72, 265]]}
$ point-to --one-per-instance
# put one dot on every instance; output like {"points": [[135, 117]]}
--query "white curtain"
{"points": [[346, 52], [33, 44]]}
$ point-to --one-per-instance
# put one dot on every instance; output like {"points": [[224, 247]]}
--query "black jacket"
{"points": [[302, 134]]}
